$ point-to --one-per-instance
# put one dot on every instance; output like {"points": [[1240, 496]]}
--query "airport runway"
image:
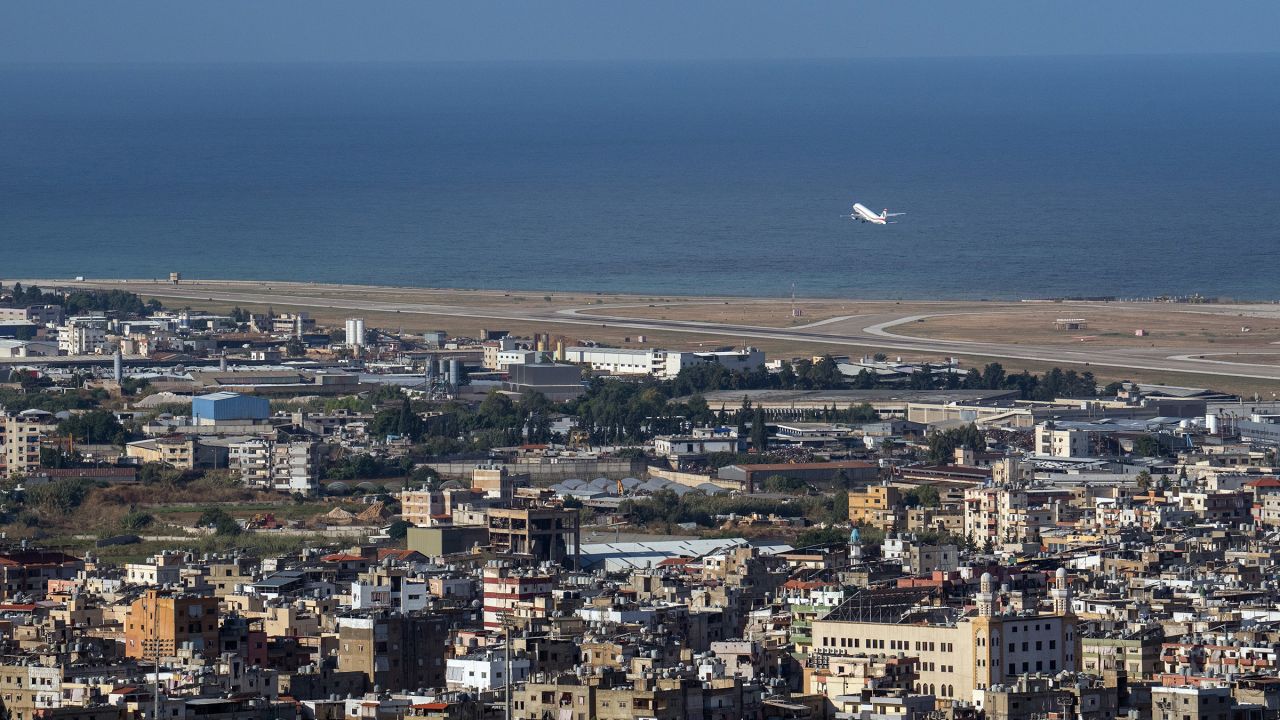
{"points": [[864, 332]]}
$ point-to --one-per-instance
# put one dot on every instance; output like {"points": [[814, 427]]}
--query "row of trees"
{"points": [[498, 421], [77, 302], [666, 508]]}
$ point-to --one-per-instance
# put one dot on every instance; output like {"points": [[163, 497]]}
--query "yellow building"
{"points": [[960, 656], [878, 505], [20, 437], [177, 451]]}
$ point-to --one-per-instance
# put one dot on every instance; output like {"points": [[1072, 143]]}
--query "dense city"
{"points": [[251, 513]]}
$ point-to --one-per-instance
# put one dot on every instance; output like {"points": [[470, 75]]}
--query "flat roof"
{"points": [[844, 398]]}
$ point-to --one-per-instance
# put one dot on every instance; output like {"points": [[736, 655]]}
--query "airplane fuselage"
{"points": [[864, 213]]}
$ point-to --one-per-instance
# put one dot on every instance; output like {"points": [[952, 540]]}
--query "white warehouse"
{"points": [[658, 362]]}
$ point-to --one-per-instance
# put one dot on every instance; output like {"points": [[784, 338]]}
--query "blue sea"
{"points": [[1124, 176]]}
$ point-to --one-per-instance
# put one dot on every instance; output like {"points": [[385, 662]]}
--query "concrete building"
{"points": [[878, 506], [484, 671], [394, 650], [960, 656], [251, 459], [83, 336], [752, 477], [35, 314], [382, 588], [555, 381], [169, 625], [176, 451], [509, 592], [1062, 442], [20, 437], [295, 466], [542, 534], [620, 361], [658, 362], [1002, 516], [683, 450], [27, 348], [1195, 702], [497, 482], [493, 349], [27, 573]]}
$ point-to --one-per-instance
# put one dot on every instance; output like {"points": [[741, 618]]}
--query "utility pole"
{"points": [[506, 627]]}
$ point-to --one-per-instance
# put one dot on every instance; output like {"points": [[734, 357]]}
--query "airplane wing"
{"points": [[894, 214]]}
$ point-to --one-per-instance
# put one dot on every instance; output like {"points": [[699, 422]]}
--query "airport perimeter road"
{"points": [[872, 332]]}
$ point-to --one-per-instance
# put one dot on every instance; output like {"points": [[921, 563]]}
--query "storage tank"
{"points": [[1211, 423], [455, 372], [355, 332]]}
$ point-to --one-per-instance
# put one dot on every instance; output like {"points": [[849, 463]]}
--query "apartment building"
{"points": [[961, 656], [167, 625], [20, 437], [394, 650]]}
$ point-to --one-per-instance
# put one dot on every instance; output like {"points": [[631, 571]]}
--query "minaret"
{"points": [[1061, 593], [986, 598]]}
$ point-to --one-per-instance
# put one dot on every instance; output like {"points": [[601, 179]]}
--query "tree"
{"points": [[136, 520], [840, 507], [744, 413], [295, 347], [759, 434], [783, 484], [424, 477], [94, 427], [822, 536], [698, 412], [1147, 446], [221, 522], [923, 496], [58, 497], [1144, 480], [398, 530]]}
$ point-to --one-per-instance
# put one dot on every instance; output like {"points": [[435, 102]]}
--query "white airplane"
{"points": [[863, 213]]}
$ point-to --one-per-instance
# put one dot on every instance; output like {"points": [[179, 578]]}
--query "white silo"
{"points": [[355, 332]]}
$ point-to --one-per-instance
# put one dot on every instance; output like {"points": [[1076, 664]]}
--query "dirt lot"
{"points": [[1163, 327], [769, 313]]}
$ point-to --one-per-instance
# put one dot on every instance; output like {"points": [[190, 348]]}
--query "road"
{"points": [[863, 332]]}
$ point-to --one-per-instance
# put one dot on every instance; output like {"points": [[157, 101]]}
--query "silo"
{"points": [[117, 366], [455, 372], [355, 332]]}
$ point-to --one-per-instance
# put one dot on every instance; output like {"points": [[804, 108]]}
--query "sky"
{"points": [[190, 31]]}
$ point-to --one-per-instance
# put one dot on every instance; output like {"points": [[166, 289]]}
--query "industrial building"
{"points": [[554, 380], [659, 362], [752, 477], [224, 406]]}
